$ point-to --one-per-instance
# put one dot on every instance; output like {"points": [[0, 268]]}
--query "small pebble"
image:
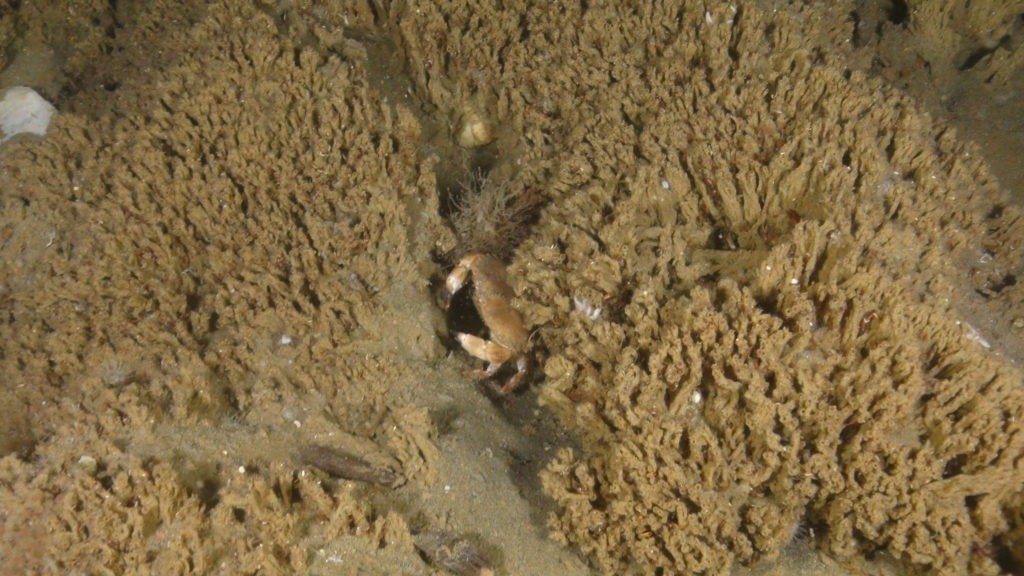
{"points": [[88, 465]]}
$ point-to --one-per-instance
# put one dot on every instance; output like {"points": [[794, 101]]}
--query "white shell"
{"points": [[474, 130], [22, 110]]}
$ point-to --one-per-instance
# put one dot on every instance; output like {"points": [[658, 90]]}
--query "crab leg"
{"points": [[522, 367], [495, 355], [487, 350]]}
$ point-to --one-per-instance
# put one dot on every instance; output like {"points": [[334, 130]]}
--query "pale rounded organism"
{"points": [[474, 129]]}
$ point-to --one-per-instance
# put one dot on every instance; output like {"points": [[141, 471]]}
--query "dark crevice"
{"points": [[899, 13], [954, 466], [722, 238], [311, 294], [848, 432], [994, 288], [208, 491], [980, 54], [858, 32], [1003, 556]]}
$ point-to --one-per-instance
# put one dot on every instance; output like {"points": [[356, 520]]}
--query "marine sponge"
{"points": [[255, 269], [809, 371], [719, 422]]}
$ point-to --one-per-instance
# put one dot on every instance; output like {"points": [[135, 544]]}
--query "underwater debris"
{"points": [[491, 215], [23, 111], [348, 467], [457, 555], [587, 308]]}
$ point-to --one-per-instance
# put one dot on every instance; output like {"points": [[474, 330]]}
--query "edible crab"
{"points": [[492, 297]]}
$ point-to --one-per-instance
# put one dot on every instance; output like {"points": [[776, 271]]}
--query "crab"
{"points": [[492, 297]]}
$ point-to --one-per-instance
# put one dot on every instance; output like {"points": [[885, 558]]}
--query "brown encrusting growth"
{"points": [[223, 240], [778, 300], [820, 368]]}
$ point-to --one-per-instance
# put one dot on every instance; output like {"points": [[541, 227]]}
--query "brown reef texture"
{"points": [[777, 244], [754, 266], [202, 266]]}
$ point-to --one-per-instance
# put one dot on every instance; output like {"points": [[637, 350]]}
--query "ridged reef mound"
{"points": [[751, 278], [774, 296]]}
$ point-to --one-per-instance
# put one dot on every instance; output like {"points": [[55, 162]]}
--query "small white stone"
{"points": [[241, 469], [24, 111], [586, 308], [285, 340], [88, 465]]}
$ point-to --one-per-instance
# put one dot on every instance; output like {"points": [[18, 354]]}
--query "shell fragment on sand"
{"points": [[23, 110], [347, 467]]}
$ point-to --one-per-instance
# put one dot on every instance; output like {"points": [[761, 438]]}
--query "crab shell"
{"points": [[492, 297]]}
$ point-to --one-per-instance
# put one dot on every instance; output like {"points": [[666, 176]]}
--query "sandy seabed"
{"points": [[768, 253]]}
